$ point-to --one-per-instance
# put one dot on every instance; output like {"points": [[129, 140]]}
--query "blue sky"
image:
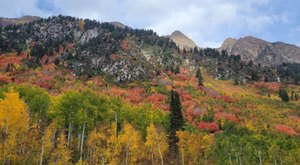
{"points": [[207, 22]]}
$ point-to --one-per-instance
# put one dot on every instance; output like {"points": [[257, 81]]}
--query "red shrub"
{"points": [[236, 110], [33, 43], [164, 107], [227, 116], [286, 130], [185, 71], [115, 56], [227, 99], [169, 73], [179, 84], [137, 90], [273, 86], [156, 98], [189, 104], [124, 45], [182, 77], [5, 79], [211, 127], [186, 97], [134, 98], [295, 118]]}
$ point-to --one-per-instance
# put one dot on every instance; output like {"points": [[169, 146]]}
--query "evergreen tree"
{"points": [[177, 69], [196, 50], [176, 121], [283, 95], [199, 77]]}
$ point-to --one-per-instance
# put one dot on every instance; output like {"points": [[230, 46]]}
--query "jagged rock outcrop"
{"points": [[262, 52], [182, 41], [119, 25], [21, 20]]}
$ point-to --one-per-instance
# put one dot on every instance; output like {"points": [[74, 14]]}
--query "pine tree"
{"points": [[176, 121], [283, 95], [177, 69], [199, 77]]}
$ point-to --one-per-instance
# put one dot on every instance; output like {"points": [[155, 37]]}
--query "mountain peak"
{"points": [[260, 51], [119, 25], [182, 41]]}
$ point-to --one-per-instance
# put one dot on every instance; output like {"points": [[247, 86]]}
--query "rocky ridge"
{"points": [[182, 41], [262, 52]]}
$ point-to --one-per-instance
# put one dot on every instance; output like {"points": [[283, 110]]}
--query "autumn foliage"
{"points": [[286, 130], [211, 127]]}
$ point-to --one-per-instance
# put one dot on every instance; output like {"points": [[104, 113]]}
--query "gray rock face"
{"points": [[262, 52], [182, 41]]}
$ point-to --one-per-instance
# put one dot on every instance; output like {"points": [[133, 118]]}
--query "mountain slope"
{"points": [[15, 21], [90, 48], [182, 41], [262, 52]]}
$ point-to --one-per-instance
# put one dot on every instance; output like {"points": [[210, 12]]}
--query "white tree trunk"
{"points": [[42, 150], [69, 133], [161, 156], [82, 140]]}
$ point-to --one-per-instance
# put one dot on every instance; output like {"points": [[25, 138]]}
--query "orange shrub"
{"points": [[182, 77], [156, 98], [227, 99], [273, 86], [169, 73], [211, 127], [226, 116], [295, 118], [115, 56], [179, 84], [124, 45], [5, 79], [286, 130]]}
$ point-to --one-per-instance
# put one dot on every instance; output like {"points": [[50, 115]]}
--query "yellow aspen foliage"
{"points": [[130, 144], [183, 144], [50, 139], [193, 146], [156, 144], [13, 114], [81, 24], [249, 126], [13, 124], [112, 153], [97, 143], [102, 146], [61, 154]]}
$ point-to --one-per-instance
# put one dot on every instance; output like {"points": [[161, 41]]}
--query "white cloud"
{"points": [[17, 8], [207, 22]]}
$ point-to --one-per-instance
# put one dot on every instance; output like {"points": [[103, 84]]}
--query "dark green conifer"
{"points": [[176, 121]]}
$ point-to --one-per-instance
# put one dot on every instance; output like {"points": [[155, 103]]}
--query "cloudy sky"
{"points": [[207, 22]]}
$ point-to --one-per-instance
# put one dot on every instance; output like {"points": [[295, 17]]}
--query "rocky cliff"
{"points": [[182, 41], [262, 52]]}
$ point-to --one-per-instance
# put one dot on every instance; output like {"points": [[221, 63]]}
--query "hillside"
{"points": [[76, 91], [92, 48], [262, 52], [16, 21]]}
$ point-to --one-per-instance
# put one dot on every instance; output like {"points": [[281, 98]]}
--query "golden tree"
{"points": [[156, 143], [130, 144], [13, 124], [61, 154]]}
